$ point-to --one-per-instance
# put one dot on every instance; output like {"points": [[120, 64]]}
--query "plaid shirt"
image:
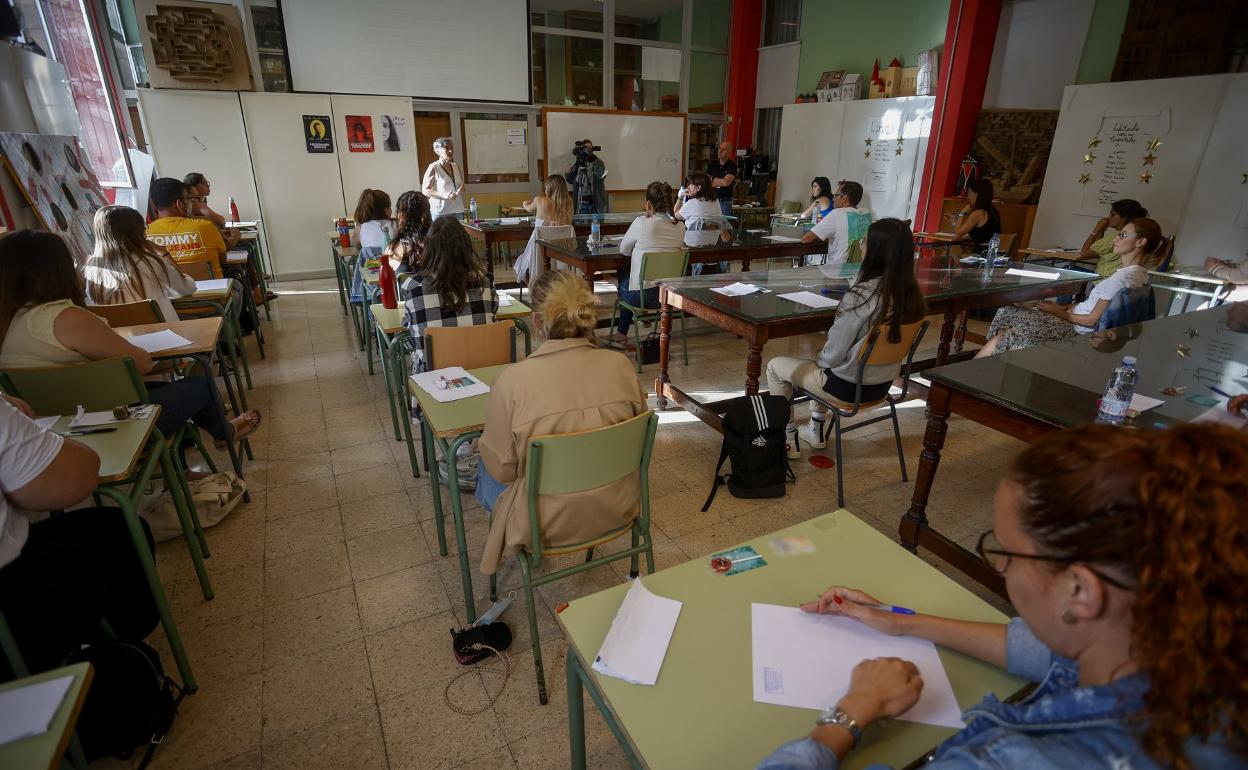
{"points": [[423, 309]]}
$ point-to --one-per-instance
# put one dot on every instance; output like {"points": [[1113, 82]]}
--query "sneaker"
{"points": [[792, 449], [812, 434]]}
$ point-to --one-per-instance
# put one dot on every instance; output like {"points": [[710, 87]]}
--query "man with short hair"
{"points": [[844, 225], [187, 239], [723, 173]]}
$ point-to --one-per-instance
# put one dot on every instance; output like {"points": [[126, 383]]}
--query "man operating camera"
{"points": [[586, 178]]}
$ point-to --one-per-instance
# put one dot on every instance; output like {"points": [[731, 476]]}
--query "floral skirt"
{"points": [[1023, 328]]}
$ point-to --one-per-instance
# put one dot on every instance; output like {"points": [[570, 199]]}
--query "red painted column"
{"points": [[963, 75], [747, 20]]}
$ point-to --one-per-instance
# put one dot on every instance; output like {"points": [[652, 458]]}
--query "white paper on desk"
{"points": [[236, 255], [86, 419], [214, 284], [804, 660], [1219, 415], [504, 299], [450, 384], [46, 423], [509, 221], [640, 633], [1032, 273], [756, 230], [613, 238], [737, 289], [781, 238], [30, 710], [160, 341], [810, 298], [1143, 403]]}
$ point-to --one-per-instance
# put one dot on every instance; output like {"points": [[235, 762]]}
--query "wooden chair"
{"points": [[876, 351], [655, 266], [578, 462], [130, 313], [200, 271]]}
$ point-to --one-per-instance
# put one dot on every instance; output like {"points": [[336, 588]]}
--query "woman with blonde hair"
{"points": [[553, 209], [127, 267], [567, 385]]}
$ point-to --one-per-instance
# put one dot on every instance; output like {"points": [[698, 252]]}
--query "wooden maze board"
{"points": [[194, 45], [59, 185]]}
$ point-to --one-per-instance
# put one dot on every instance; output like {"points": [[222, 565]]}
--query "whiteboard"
{"points": [[638, 148], [496, 146], [392, 171], [810, 146]]}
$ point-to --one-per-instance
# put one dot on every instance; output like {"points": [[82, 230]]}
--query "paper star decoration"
{"points": [[1088, 157], [1144, 177], [866, 153], [1244, 180], [1094, 141], [899, 150], [1154, 144], [1085, 178], [868, 141], [1149, 158]]}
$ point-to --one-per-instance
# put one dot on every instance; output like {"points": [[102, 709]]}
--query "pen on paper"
{"points": [[87, 431], [886, 607]]}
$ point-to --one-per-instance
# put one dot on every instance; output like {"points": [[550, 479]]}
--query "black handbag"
{"points": [[650, 348]]}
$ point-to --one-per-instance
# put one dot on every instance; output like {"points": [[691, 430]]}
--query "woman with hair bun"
{"points": [[658, 230], [567, 385], [1122, 551]]}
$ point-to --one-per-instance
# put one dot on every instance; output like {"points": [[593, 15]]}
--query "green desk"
{"points": [[48, 749], [447, 426], [702, 713], [337, 257]]}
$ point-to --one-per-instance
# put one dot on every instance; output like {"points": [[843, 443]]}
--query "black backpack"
{"points": [[131, 703], [754, 441]]}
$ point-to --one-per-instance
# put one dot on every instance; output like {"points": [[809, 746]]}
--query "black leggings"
{"points": [[189, 398], [76, 569]]}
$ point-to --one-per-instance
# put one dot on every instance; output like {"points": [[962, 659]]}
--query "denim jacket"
{"points": [[1060, 726]]}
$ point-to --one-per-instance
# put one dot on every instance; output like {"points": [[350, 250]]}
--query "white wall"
{"points": [[1036, 54], [394, 172]]}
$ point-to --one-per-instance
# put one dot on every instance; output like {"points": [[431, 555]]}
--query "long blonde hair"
{"points": [[555, 187], [122, 248], [567, 307]]}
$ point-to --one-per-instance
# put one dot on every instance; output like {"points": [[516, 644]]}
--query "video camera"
{"points": [[585, 154]]}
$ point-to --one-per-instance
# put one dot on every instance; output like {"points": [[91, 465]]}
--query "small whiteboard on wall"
{"points": [[496, 146], [637, 147]]}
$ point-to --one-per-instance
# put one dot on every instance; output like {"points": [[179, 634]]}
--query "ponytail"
{"points": [[568, 309], [372, 205], [660, 197]]}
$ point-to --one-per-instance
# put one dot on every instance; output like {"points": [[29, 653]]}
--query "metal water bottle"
{"points": [[1118, 393]]}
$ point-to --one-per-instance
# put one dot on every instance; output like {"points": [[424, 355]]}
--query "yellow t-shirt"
{"points": [[1104, 246], [188, 240]]}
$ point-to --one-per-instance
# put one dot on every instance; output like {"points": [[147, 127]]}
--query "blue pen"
{"points": [[1220, 392], [886, 607]]}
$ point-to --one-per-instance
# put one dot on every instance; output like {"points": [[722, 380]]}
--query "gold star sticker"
{"points": [[901, 139], [1144, 177], [1154, 144], [1094, 141], [898, 150], [1088, 157], [868, 141], [1149, 158], [1245, 179], [866, 153], [1085, 178]]}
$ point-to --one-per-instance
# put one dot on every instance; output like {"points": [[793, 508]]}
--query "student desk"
{"points": [[491, 231], [753, 216], [1032, 392], [338, 256], [448, 426], [1067, 258], [945, 240], [47, 749], [1192, 282], [761, 317], [701, 713]]}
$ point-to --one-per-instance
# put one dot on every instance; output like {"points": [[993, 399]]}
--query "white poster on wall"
{"points": [[880, 149], [1122, 143], [489, 147]]}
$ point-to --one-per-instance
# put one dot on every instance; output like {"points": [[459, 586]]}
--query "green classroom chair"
{"points": [[855, 252], [577, 462], [791, 207], [655, 266], [74, 755]]}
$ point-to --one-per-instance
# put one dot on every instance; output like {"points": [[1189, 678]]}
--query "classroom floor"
{"points": [[327, 644]]}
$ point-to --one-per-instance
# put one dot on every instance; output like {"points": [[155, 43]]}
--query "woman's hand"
{"points": [[881, 688], [1238, 405], [19, 405], [839, 600], [1214, 262], [1101, 227]]}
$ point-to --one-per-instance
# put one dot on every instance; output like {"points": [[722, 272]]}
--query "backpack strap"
{"points": [[723, 455]]}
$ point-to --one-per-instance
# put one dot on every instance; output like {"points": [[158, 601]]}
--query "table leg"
{"points": [[342, 288], [753, 368], [576, 712], [915, 519], [946, 336], [450, 456], [431, 453], [665, 339], [368, 346], [384, 356], [959, 338]]}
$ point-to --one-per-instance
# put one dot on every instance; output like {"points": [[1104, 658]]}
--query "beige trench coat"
{"points": [[565, 386]]}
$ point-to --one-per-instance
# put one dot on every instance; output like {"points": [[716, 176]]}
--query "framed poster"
{"points": [[316, 133], [359, 133], [54, 177]]}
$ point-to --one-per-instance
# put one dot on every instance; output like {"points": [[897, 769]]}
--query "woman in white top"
{"points": [[1034, 323], [658, 230], [443, 183], [127, 267], [699, 208], [373, 224], [553, 205]]}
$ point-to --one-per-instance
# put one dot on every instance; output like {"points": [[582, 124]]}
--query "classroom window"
{"points": [[583, 15], [708, 72], [647, 78], [781, 21], [661, 20], [567, 70], [711, 20]]}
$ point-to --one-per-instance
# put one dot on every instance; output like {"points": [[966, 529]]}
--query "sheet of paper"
{"points": [[30, 710], [241, 224], [509, 221], [640, 633], [504, 299], [46, 423], [804, 660], [157, 342], [1144, 403], [613, 238], [237, 255], [756, 230], [1219, 415], [1032, 273], [215, 284], [810, 299], [736, 289], [450, 384], [90, 419], [781, 238]]}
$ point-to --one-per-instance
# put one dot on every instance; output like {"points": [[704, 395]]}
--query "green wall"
{"points": [[845, 35], [1101, 47]]}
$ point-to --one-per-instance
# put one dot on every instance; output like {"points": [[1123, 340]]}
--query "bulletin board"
{"points": [[56, 181], [391, 166], [496, 146], [637, 147]]}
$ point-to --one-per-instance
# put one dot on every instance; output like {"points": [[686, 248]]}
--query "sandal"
{"points": [[251, 420]]}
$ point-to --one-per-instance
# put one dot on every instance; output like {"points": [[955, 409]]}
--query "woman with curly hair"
{"points": [[1123, 552], [413, 225]]}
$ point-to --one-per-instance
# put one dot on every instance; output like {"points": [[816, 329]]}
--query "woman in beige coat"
{"points": [[567, 385]]}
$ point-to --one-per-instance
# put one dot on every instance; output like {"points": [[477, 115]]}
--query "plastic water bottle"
{"points": [[994, 248], [595, 231], [472, 209], [1118, 393], [814, 217]]}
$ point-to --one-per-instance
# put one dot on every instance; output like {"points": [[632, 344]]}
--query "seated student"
{"points": [[43, 323], [979, 219], [567, 385], [410, 231], [698, 207], [842, 226], [1100, 242], [821, 203], [186, 238], [127, 267], [373, 224], [1118, 549], [199, 191], [886, 294], [1232, 272], [61, 577], [1032, 323], [449, 288], [658, 230], [553, 207]]}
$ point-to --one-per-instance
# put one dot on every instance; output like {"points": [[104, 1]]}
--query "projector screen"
{"points": [[475, 50]]}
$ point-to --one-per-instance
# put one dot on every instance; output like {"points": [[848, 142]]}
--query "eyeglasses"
{"points": [[998, 559], [1125, 234]]}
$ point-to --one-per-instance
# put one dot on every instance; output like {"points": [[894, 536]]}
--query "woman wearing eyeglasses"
{"points": [[1033, 323], [1122, 551]]}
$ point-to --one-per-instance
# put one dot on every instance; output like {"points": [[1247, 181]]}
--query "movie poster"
{"points": [[359, 133], [392, 131], [316, 133]]}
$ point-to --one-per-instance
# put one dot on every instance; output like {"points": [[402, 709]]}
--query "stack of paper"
{"points": [[157, 342], [29, 710], [637, 642], [736, 289], [215, 284], [236, 255], [504, 299], [781, 238], [509, 221], [810, 298], [450, 384], [1032, 273], [1218, 414]]}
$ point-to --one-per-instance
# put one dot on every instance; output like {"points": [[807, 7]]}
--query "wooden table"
{"points": [[48, 749], [765, 316], [701, 712], [492, 231], [448, 426], [1032, 392]]}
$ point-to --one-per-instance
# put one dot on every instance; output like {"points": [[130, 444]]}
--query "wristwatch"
{"points": [[834, 716]]}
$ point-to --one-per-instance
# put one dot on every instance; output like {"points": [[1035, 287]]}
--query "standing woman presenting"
{"points": [[443, 182]]}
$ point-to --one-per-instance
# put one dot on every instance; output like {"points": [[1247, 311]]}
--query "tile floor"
{"points": [[326, 645]]}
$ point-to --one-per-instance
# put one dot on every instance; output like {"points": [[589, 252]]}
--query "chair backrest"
{"points": [[879, 351], [144, 311], [1162, 256], [200, 271], [470, 346], [657, 265], [854, 254], [527, 262], [791, 207], [1007, 243], [94, 385], [1130, 305], [704, 223]]}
